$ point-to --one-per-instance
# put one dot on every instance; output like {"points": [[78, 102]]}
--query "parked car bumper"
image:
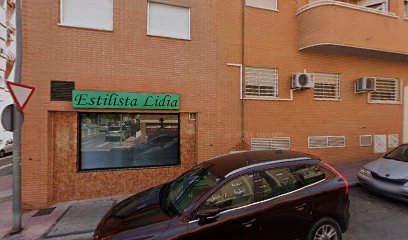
{"points": [[392, 190]]}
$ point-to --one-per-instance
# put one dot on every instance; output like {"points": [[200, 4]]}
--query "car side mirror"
{"points": [[208, 215]]}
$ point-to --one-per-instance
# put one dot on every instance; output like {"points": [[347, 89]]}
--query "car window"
{"points": [[309, 174], [399, 154], [236, 193], [185, 191], [279, 181]]}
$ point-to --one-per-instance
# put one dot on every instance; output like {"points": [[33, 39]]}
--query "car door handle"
{"points": [[300, 207], [249, 224]]}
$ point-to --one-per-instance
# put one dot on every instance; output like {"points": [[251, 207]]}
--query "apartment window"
{"points": [[128, 140], [386, 91], [270, 143], [326, 86], [326, 141], [168, 21], [406, 9], [381, 5], [261, 83], [94, 14], [265, 4]]}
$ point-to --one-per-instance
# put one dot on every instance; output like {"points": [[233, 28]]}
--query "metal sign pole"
{"points": [[17, 209]]}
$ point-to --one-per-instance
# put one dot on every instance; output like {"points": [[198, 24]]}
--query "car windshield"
{"points": [[184, 192], [113, 128], [399, 154]]}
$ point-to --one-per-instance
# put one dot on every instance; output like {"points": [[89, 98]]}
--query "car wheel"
{"points": [[325, 229], [2, 154]]}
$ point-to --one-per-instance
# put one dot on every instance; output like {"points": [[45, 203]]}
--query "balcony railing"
{"points": [[343, 4]]}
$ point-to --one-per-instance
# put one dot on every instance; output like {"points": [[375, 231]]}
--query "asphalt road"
{"points": [[374, 217], [5, 165], [97, 143]]}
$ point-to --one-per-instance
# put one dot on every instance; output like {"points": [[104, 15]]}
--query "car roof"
{"points": [[229, 164]]}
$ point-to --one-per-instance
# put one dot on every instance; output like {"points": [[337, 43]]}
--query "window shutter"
{"points": [[387, 89], [168, 21], [95, 14], [326, 86], [266, 4], [261, 83]]}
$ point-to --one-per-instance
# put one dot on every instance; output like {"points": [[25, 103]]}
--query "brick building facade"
{"points": [[198, 50]]}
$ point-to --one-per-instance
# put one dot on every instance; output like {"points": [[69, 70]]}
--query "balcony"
{"points": [[342, 28]]}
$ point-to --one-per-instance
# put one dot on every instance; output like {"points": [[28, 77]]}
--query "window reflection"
{"points": [[115, 140]]}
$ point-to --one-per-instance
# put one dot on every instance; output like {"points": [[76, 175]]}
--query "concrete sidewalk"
{"points": [[78, 219]]}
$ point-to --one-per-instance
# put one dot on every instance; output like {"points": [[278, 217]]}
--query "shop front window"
{"points": [[116, 140]]}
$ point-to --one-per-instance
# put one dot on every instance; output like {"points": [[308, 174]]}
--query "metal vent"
{"points": [[327, 141], [366, 140], [270, 143], [62, 90]]}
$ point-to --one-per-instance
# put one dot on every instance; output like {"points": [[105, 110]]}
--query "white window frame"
{"points": [[162, 35], [366, 145], [270, 9], [399, 94], [327, 142], [61, 22], [275, 85], [337, 82]]}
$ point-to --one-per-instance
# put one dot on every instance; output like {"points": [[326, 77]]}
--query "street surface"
{"points": [[375, 217], [372, 218], [5, 165], [97, 143]]}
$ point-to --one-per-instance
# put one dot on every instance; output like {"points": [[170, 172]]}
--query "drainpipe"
{"points": [[243, 75]]}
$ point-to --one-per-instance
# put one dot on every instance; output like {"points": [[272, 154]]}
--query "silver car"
{"points": [[6, 147], [388, 175]]}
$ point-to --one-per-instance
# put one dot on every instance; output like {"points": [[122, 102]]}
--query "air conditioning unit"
{"points": [[365, 84], [302, 80]]}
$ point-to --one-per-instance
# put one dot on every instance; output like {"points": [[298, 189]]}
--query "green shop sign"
{"points": [[125, 100]]}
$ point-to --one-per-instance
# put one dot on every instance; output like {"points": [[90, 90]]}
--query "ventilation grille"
{"points": [[366, 140], [386, 90], [327, 141], [261, 82], [326, 86], [62, 90], [282, 143]]}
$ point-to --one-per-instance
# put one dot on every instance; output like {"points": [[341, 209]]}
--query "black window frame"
{"points": [[79, 142]]}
